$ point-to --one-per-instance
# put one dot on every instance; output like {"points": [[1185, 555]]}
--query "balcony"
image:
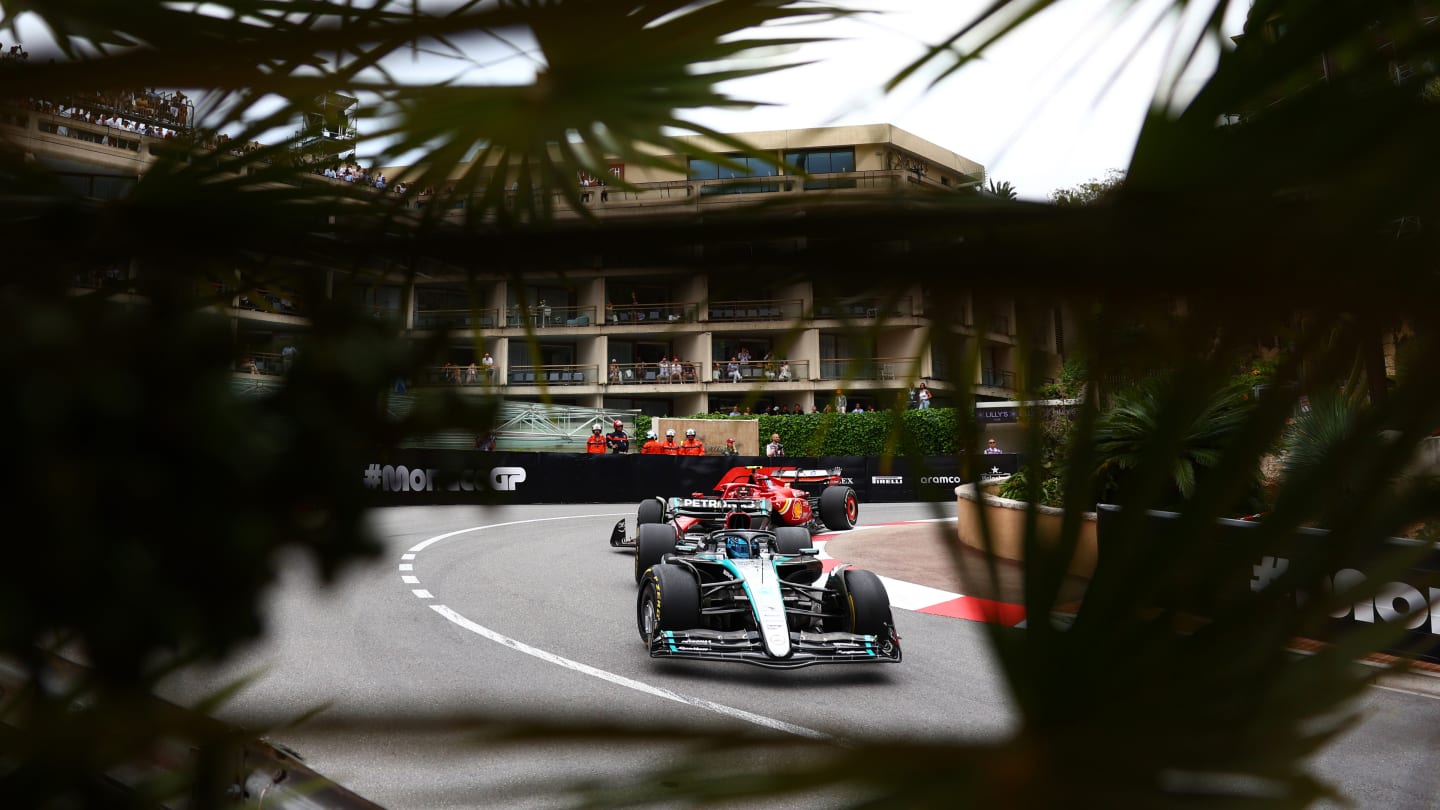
{"points": [[866, 308], [884, 369], [761, 372], [652, 315], [483, 318], [544, 316], [997, 378], [554, 375], [777, 309]]}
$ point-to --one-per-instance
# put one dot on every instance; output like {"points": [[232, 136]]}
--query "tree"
{"points": [[1002, 189], [1091, 191]]}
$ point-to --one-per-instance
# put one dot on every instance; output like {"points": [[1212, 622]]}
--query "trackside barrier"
{"points": [[1410, 598], [426, 476]]}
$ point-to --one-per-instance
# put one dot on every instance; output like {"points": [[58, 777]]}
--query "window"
{"points": [[825, 161], [744, 167]]}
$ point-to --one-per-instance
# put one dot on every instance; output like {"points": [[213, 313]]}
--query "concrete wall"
{"points": [[1006, 521]]}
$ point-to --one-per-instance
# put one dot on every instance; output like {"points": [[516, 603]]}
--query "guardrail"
{"points": [[866, 368]]}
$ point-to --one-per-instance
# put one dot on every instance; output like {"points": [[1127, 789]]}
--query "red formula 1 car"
{"points": [[761, 498], [816, 499]]}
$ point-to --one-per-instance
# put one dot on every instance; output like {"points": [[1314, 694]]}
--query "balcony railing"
{"points": [[775, 309], [553, 375], [483, 318], [261, 363], [866, 308], [278, 303], [761, 372], [652, 315], [866, 368], [998, 378], [548, 317]]}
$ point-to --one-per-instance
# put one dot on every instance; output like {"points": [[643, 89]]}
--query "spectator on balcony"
{"points": [[664, 373], [734, 410], [614, 371], [744, 356], [732, 370], [472, 373], [447, 372], [772, 369], [783, 375], [840, 401], [923, 396], [489, 363]]}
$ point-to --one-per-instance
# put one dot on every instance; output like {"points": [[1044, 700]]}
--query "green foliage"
{"points": [[927, 432], [1019, 487], [1090, 192], [642, 424], [1125, 431]]}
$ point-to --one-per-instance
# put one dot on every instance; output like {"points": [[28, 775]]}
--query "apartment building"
{"points": [[663, 340]]}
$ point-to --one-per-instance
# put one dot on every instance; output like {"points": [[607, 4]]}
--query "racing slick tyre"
{"points": [[839, 508], [655, 541], [864, 604], [790, 539], [669, 600], [651, 511]]}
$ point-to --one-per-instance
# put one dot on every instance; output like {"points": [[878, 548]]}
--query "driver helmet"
{"points": [[597, 428], [689, 433], [737, 547], [650, 434], [619, 424], [670, 433]]}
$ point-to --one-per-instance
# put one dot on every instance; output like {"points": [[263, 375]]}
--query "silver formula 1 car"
{"points": [[761, 597]]}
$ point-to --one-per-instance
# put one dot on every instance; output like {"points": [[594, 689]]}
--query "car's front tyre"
{"points": [[863, 602], [790, 539], [655, 541], [669, 599]]}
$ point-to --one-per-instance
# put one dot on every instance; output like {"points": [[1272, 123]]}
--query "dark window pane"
{"points": [[703, 170], [842, 160]]}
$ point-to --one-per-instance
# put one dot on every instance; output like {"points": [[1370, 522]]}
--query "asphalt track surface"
{"points": [[525, 615]]}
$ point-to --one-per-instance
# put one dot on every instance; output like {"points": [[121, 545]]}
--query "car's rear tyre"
{"points": [[839, 508], [655, 541], [669, 600], [651, 510], [790, 539], [864, 604]]}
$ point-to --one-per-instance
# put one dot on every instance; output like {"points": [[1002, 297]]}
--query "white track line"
{"points": [[585, 669]]}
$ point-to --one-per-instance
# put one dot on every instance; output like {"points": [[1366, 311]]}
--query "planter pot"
{"points": [[1006, 520]]}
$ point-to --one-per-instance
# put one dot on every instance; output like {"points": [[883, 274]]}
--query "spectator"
{"points": [[783, 375], [664, 374], [489, 363], [729, 448], [744, 356], [734, 410], [733, 369], [923, 395], [992, 449], [774, 449], [614, 371], [447, 373], [485, 442], [472, 373]]}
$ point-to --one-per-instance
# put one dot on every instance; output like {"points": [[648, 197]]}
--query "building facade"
{"points": [[662, 340]]}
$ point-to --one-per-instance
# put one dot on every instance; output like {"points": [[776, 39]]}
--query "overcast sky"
{"points": [[1059, 104]]}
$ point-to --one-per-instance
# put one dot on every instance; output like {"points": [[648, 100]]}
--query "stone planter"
{"points": [[1006, 519]]}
